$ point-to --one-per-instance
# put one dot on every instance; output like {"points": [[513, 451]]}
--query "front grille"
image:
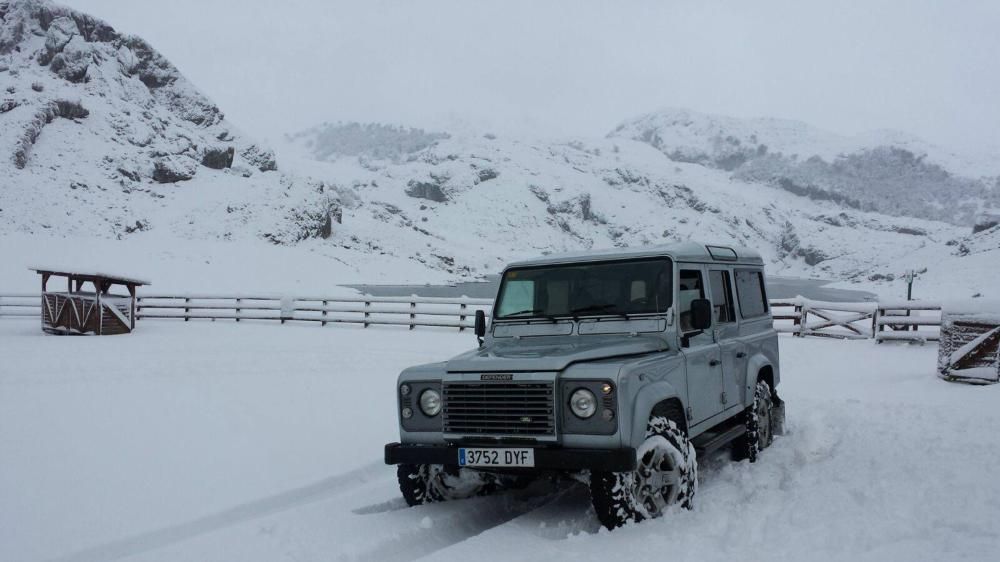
{"points": [[501, 409]]}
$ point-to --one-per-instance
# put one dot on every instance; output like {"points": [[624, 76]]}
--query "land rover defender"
{"points": [[616, 368]]}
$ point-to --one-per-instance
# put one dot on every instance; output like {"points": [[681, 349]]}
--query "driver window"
{"points": [[690, 289]]}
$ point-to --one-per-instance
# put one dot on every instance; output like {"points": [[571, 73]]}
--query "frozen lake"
{"points": [[777, 288]]}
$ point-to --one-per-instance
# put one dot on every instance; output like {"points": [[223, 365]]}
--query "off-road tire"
{"points": [[758, 423], [617, 496], [429, 483]]}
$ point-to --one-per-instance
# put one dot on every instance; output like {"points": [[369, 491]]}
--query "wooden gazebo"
{"points": [[78, 311]]}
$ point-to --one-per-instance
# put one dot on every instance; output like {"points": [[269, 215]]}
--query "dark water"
{"points": [[777, 288]]}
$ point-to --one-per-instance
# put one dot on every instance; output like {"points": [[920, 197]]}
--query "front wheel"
{"points": [[428, 483], [666, 474]]}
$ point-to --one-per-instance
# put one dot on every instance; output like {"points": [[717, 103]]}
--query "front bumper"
{"points": [[546, 458]]}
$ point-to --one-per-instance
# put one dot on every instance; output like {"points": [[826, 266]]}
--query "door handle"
{"points": [[714, 363], [741, 355]]}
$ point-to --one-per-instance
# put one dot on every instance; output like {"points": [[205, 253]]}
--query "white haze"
{"points": [[577, 68]]}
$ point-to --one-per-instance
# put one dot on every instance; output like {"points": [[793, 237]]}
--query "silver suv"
{"points": [[616, 368]]}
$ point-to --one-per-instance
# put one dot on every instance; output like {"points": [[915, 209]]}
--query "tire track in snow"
{"points": [[459, 521], [159, 538]]}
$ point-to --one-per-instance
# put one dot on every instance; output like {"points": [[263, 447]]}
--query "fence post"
{"points": [[803, 320], [461, 316], [238, 308], [324, 313], [413, 306], [368, 305], [187, 311]]}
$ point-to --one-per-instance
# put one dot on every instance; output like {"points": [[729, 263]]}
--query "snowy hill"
{"points": [[102, 137], [884, 171], [467, 203]]}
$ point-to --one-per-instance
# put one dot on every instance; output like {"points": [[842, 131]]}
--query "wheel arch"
{"points": [[758, 368], [654, 398]]}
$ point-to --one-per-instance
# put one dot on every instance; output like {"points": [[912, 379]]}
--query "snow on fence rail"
{"points": [[21, 304], [366, 310], [886, 321]]}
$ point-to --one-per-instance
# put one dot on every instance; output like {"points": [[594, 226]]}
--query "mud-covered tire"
{"points": [[666, 461], [758, 424], [429, 483]]}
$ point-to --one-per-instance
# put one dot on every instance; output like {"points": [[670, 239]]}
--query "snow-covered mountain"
{"points": [[100, 136], [884, 171], [466, 203]]}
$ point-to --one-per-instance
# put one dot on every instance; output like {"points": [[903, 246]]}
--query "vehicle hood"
{"points": [[551, 353]]}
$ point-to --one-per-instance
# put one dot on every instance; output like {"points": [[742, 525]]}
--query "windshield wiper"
{"points": [[532, 311], [598, 308]]}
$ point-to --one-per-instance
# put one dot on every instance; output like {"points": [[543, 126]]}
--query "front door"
{"points": [[702, 354]]}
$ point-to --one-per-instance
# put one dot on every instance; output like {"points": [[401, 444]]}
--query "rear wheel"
{"points": [[428, 483], [666, 474], [759, 425]]}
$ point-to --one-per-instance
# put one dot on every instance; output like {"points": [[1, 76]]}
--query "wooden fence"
{"points": [[970, 348], [21, 304], [366, 310], [913, 321]]}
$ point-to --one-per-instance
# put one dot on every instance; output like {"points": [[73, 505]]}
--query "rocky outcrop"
{"points": [[42, 117], [172, 169], [429, 190], [218, 157], [260, 158]]}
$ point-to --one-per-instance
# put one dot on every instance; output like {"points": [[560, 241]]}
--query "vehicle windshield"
{"points": [[586, 289]]}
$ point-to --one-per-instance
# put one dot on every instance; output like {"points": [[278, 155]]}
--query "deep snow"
{"points": [[216, 441]]}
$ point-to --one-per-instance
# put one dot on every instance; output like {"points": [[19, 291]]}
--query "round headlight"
{"points": [[583, 403], [430, 402]]}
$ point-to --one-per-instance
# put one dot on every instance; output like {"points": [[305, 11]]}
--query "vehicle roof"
{"points": [[681, 251]]}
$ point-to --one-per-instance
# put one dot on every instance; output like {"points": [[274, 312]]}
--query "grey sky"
{"points": [[578, 68]]}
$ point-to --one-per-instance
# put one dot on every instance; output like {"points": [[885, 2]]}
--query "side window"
{"points": [[722, 296], [750, 288], [690, 289]]}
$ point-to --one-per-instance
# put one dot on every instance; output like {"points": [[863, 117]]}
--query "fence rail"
{"points": [[913, 321], [885, 321], [21, 304], [410, 311]]}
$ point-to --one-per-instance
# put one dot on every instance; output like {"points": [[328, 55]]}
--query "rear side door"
{"points": [[727, 335], [755, 325], [702, 355]]}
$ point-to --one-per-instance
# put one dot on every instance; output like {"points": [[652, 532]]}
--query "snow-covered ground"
{"points": [[216, 441]]}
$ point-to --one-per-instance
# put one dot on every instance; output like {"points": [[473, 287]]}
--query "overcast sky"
{"points": [[578, 68]]}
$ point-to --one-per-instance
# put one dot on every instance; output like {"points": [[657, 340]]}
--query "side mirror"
{"points": [[481, 325], [701, 314]]}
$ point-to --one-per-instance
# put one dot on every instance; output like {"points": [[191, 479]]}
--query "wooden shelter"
{"points": [[79, 311], [970, 347]]}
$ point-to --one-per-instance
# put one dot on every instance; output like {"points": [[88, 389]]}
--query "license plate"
{"points": [[496, 457]]}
